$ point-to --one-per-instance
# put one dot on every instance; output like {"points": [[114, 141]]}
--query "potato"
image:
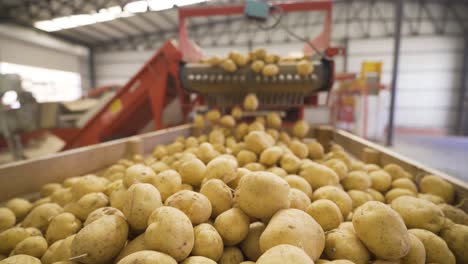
{"points": [[116, 192], [88, 184], [159, 167], [376, 195], [346, 245], [208, 242], [456, 237], [62, 196], [270, 70], [437, 186], [417, 253], [338, 166], [254, 166], [138, 173], [100, 212], [298, 199], [285, 254], [167, 182], [257, 66], [11, 237], [396, 171], [228, 65], [147, 257], [284, 137], [397, 192], [41, 202], [140, 201], [7, 218], [216, 136], [326, 213], [34, 246], [48, 188], [251, 244], [232, 225], [221, 168], [137, 244], [271, 155], [257, 141], [228, 121], [304, 67], [294, 227], [236, 112], [278, 171], [431, 198], [246, 156], [62, 226], [380, 180], [455, 214], [170, 231], [347, 226], [214, 60], [336, 195], [193, 171], [256, 126], [359, 197], [198, 260], [195, 205], [290, 163], [19, 206], [86, 204], [300, 129], [316, 150], [175, 147], [23, 259], [299, 149], [436, 248], [58, 251], [231, 255], [250, 102], [39, 216], [356, 180], [299, 183], [382, 230], [318, 175], [219, 195], [419, 213], [405, 183], [100, 241], [269, 192]]}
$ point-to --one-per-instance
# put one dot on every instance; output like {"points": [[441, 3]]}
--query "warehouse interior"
{"points": [[234, 132]]}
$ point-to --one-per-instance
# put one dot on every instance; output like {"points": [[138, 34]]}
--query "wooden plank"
{"points": [[164, 136], [357, 146]]}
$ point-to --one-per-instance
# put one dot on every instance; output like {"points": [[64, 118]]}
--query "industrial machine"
{"points": [[174, 74]]}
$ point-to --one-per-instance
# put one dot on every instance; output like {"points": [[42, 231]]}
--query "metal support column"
{"points": [[396, 60], [462, 111], [92, 68]]}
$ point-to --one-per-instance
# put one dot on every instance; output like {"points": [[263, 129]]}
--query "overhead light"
{"points": [[9, 97], [47, 25], [158, 5], [136, 7], [188, 2]]}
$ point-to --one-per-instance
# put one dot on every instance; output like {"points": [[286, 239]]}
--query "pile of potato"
{"points": [[260, 62], [240, 193]]}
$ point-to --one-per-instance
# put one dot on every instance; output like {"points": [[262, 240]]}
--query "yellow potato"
{"points": [[318, 175], [49, 188], [140, 201], [382, 230], [271, 155], [419, 213], [300, 129], [338, 166], [304, 67], [246, 156], [270, 70], [250, 102], [167, 182], [216, 136], [213, 116], [214, 60], [254, 166], [271, 58], [138, 173], [436, 248], [359, 197], [221, 168], [228, 65], [316, 150], [326, 213], [62, 226], [251, 244], [135, 245], [285, 254], [228, 121], [298, 199], [437, 186], [195, 205], [257, 141], [208, 242], [284, 137], [455, 214], [23, 259], [396, 171], [7, 218], [336, 195], [39, 216], [116, 192], [257, 66], [100, 212], [456, 237], [256, 126], [381, 180], [58, 251], [86, 204], [346, 245], [269, 192], [197, 260], [299, 149], [219, 195], [34, 246], [405, 183], [231, 255], [236, 112], [398, 192], [431, 198], [376, 195], [356, 180], [100, 241], [170, 231], [290, 163], [147, 257], [88, 184], [193, 171], [273, 120], [233, 226], [294, 227], [19, 206], [417, 253], [299, 183], [161, 151]]}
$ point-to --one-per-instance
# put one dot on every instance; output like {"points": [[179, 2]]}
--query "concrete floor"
{"points": [[448, 154]]}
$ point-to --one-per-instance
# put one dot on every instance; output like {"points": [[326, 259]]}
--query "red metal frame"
{"points": [[191, 53]]}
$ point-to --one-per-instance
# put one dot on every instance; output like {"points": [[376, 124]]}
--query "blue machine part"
{"points": [[257, 9]]}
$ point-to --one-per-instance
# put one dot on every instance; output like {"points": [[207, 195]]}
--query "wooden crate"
{"points": [[24, 177]]}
